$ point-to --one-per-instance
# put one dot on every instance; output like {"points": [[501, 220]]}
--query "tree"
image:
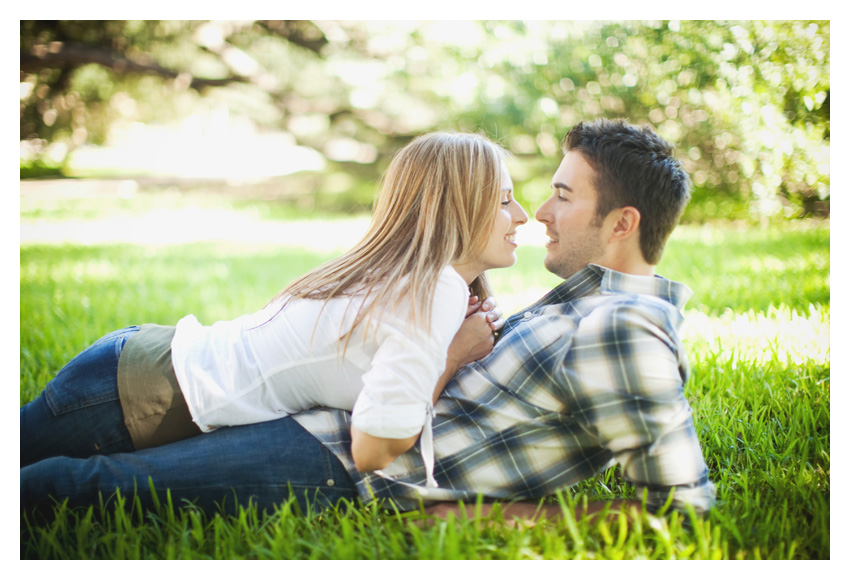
{"points": [[746, 103]]}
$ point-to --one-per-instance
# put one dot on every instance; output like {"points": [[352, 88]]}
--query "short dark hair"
{"points": [[634, 167]]}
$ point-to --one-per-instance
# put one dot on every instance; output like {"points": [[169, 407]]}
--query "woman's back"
{"points": [[270, 364]]}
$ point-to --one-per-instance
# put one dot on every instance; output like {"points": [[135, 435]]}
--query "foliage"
{"points": [[746, 103], [758, 336], [37, 168]]}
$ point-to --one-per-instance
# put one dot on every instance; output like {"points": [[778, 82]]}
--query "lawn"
{"points": [[757, 336]]}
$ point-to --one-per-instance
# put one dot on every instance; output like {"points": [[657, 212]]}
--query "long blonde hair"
{"points": [[435, 207]]}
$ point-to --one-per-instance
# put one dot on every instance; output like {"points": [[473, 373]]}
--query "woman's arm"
{"points": [[472, 341], [371, 453]]}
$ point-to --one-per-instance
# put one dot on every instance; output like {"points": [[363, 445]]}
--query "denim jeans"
{"points": [[231, 466], [79, 414], [74, 445]]}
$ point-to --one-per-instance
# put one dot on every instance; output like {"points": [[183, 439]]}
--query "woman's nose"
{"points": [[520, 216]]}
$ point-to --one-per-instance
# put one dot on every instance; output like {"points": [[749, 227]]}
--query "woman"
{"points": [[367, 332]]}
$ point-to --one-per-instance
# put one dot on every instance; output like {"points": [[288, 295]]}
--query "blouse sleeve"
{"points": [[399, 386]]}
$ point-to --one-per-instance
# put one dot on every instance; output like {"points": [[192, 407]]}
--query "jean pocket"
{"points": [[118, 338], [90, 378]]}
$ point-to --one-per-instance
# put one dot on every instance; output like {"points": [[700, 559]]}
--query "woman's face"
{"points": [[500, 251]]}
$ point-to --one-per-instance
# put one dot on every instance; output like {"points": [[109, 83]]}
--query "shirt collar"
{"points": [[607, 281]]}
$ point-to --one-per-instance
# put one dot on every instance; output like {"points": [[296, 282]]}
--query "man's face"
{"points": [[575, 234]]}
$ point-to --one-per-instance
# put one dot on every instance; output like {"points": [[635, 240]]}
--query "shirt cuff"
{"points": [[700, 495], [401, 422]]}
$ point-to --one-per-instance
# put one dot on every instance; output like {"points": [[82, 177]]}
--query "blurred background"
{"points": [[307, 113], [174, 167]]}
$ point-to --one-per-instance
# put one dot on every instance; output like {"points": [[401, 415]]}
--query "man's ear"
{"points": [[627, 222]]}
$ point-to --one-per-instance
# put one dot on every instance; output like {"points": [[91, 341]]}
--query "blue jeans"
{"points": [[79, 414], [260, 463], [74, 445]]}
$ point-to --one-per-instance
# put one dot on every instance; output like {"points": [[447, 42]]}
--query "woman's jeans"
{"points": [[78, 414], [75, 447]]}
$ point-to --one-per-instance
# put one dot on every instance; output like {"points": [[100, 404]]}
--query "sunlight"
{"points": [[774, 265], [185, 225], [780, 335], [211, 144]]}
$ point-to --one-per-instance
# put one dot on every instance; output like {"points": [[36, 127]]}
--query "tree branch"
{"points": [[301, 33], [58, 54]]}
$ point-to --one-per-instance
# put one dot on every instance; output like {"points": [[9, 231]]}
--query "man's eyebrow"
{"points": [[559, 185]]}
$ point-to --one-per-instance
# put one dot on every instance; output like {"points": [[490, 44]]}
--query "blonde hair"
{"points": [[436, 205]]}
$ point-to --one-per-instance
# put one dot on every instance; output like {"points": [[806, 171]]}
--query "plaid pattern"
{"points": [[590, 375]]}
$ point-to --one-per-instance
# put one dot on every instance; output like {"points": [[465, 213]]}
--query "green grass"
{"points": [[758, 339]]}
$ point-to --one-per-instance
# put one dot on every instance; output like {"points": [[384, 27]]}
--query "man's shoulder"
{"points": [[653, 286], [627, 318], [630, 304], [654, 298]]}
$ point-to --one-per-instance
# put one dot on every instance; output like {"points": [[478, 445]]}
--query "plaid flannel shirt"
{"points": [[590, 375]]}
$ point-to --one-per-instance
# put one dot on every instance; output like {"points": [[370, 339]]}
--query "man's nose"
{"points": [[542, 213]]}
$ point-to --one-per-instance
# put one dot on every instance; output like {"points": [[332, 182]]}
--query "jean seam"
{"points": [[58, 409], [327, 466]]}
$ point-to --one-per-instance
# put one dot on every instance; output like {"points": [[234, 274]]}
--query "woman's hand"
{"points": [[474, 339], [477, 335]]}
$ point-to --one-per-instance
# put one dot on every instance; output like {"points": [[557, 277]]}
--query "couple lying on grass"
{"points": [[389, 372]]}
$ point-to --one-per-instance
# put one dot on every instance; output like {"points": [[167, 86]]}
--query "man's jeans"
{"points": [[230, 466]]}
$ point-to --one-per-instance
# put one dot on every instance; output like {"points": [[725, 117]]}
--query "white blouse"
{"points": [[271, 364]]}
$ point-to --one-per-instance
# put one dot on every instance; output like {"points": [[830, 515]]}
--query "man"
{"points": [[590, 375]]}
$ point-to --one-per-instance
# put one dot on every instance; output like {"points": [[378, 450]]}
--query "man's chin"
{"points": [[551, 267], [560, 270]]}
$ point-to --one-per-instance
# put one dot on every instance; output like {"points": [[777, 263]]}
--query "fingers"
{"points": [[494, 313], [497, 324], [474, 339], [472, 306]]}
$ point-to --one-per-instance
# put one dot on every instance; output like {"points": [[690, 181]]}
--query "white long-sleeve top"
{"points": [[273, 363]]}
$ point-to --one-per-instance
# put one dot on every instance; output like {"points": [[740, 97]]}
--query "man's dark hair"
{"points": [[634, 167]]}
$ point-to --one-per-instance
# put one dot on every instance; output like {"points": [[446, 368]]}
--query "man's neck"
{"points": [[638, 270], [628, 260], [633, 267]]}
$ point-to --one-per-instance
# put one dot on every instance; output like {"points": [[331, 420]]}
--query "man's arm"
{"points": [[623, 377]]}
